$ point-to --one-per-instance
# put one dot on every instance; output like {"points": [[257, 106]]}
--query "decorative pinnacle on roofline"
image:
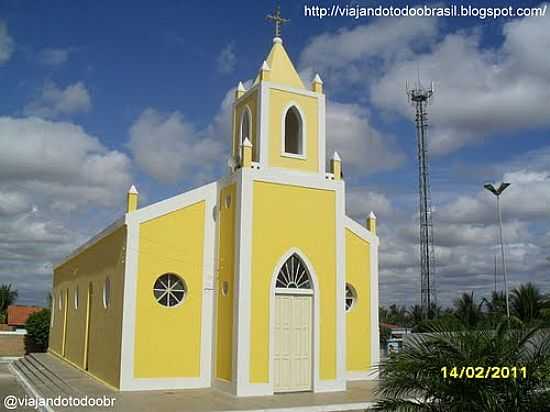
{"points": [[278, 20]]}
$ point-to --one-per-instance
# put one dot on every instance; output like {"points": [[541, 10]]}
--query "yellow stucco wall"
{"points": [[58, 314], [278, 102], [226, 268], [358, 327], [168, 339], [305, 219], [249, 101], [103, 259], [282, 70]]}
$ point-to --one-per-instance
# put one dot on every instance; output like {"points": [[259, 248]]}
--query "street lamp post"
{"points": [[497, 192]]}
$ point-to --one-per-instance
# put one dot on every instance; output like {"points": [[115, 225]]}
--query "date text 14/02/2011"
{"points": [[484, 372]]}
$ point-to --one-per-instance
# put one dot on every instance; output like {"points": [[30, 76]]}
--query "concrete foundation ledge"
{"points": [[46, 376]]}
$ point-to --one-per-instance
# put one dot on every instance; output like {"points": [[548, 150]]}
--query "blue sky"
{"points": [[99, 95]]}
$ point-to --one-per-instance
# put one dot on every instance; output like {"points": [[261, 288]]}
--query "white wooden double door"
{"points": [[292, 359]]}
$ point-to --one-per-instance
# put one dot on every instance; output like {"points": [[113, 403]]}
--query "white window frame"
{"points": [[296, 290], [293, 291], [185, 288], [76, 298], [354, 295], [303, 132], [246, 111], [107, 293], [52, 312], [225, 288]]}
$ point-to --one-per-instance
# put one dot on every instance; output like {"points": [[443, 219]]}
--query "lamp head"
{"points": [[496, 191], [490, 188], [502, 187]]}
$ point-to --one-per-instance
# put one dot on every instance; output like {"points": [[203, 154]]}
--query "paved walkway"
{"points": [[10, 387], [359, 396]]}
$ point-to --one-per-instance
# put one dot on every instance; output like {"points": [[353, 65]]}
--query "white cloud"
{"points": [[523, 177], [53, 57], [52, 174], [220, 126], [527, 199], [525, 39], [156, 136], [481, 91], [361, 147], [29, 243], [465, 233], [7, 45], [350, 56], [169, 148], [55, 101], [361, 201], [195, 155], [13, 203], [227, 59], [61, 162]]}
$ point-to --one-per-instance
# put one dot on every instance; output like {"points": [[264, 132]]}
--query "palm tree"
{"points": [[413, 379], [495, 308], [7, 297], [415, 316], [397, 314], [434, 311], [468, 311], [497, 303], [528, 304], [382, 313]]}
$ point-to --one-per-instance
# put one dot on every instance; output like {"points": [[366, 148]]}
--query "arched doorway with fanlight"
{"points": [[293, 326]]}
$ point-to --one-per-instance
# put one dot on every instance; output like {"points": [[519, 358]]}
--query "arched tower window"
{"points": [[293, 132], [294, 274], [246, 125]]}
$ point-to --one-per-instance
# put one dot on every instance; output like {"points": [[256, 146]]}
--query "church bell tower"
{"points": [[278, 119]]}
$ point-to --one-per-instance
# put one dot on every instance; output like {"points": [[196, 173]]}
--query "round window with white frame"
{"points": [[351, 297], [169, 290], [107, 292]]}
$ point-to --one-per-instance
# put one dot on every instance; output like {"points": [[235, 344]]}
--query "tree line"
{"points": [[468, 356], [527, 304]]}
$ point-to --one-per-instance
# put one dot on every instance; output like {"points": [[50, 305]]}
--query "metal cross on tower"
{"points": [[420, 97], [278, 20]]}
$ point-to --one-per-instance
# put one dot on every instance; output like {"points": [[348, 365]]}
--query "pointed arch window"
{"points": [[294, 274], [246, 125], [293, 132]]}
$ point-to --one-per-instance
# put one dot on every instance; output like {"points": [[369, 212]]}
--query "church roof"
{"points": [[282, 70]]}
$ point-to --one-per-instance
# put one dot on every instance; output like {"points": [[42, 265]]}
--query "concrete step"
{"points": [[31, 378], [41, 378], [38, 360]]}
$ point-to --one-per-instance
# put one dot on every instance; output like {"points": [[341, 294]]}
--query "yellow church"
{"points": [[255, 284]]}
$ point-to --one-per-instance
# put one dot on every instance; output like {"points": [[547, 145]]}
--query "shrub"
{"points": [[412, 380], [38, 330]]}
